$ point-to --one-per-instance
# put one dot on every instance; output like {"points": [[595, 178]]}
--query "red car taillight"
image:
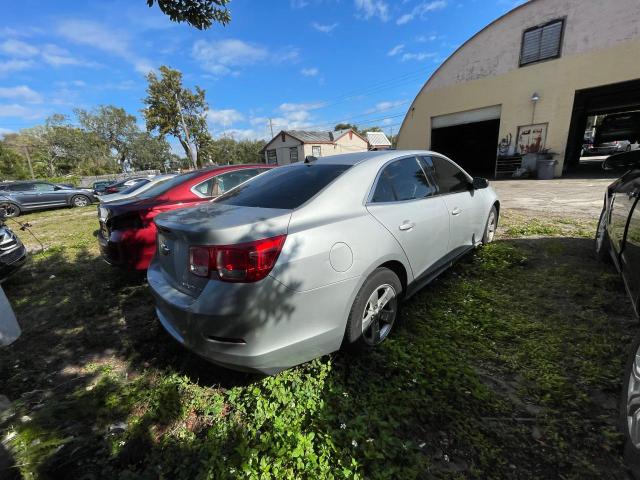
{"points": [[244, 262]]}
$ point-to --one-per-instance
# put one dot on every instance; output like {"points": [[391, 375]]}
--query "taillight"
{"points": [[244, 262]]}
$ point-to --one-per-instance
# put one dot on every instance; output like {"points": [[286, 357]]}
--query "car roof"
{"points": [[380, 155]]}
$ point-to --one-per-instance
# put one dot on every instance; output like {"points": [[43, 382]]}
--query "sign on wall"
{"points": [[531, 138]]}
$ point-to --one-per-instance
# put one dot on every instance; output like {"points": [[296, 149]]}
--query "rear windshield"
{"points": [[164, 187], [135, 186], [285, 188]]}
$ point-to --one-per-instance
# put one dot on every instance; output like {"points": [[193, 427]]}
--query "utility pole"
{"points": [[271, 127]]}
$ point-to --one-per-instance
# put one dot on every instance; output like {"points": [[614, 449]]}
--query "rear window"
{"points": [[164, 187], [284, 188]]}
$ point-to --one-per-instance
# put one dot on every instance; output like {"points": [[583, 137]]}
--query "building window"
{"points": [[316, 151], [542, 42], [293, 154], [272, 158]]}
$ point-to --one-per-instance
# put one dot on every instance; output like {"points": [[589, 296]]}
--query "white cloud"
{"points": [[16, 48], [21, 92], [395, 50], [310, 72], [5, 131], [292, 107], [421, 10], [224, 117], [418, 57], [220, 57], [324, 28], [56, 57], [93, 34], [246, 134], [426, 38], [20, 111], [11, 66], [384, 106], [372, 8]]}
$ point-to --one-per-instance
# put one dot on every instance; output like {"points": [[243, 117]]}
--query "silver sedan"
{"points": [[308, 257]]}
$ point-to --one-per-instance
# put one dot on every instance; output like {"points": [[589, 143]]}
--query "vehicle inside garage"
{"points": [[605, 120], [471, 145]]}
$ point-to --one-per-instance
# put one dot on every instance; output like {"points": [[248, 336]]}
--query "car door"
{"points": [[49, 194], [622, 202], [403, 200], [465, 211], [630, 255], [25, 194]]}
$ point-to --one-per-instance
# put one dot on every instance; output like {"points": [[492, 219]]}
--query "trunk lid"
{"points": [[210, 224]]}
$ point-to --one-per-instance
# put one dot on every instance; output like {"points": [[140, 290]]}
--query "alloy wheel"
{"points": [[80, 201], [379, 314], [633, 401], [491, 226], [9, 209]]}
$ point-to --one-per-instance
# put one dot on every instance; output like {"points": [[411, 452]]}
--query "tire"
{"points": [[629, 409], [491, 226], [365, 313], [628, 149], [602, 244], [80, 201], [11, 210]]}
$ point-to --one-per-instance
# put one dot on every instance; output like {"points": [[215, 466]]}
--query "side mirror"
{"points": [[623, 161], [479, 183]]}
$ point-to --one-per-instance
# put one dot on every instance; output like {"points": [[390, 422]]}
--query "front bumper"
{"points": [[261, 327], [12, 261]]}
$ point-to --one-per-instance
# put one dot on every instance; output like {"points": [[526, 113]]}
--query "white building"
{"points": [[291, 146]]}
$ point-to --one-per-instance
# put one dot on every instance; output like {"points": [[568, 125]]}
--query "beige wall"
{"points": [[282, 149], [601, 46]]}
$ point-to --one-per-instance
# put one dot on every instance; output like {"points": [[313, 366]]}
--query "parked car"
{"points": [[618, 126], [610, 148], [127, 235], [121, 185], [18, 197], [100, 186], [135, 189], [289, 265], [9, 327], [13, 253], [618, 239]]}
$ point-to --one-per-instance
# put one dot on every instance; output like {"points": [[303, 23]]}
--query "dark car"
{"points": [[18, 197], [126, 183], [618, 239], [13, 254], [100, 186], [127, 235]]}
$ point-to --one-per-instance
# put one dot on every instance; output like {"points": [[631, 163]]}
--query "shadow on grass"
{"points": [[108, 394]]}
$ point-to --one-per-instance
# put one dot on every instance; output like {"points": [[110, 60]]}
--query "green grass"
{"points": [[507, 366]]}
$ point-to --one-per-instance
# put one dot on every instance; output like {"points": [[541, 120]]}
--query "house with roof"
{"points": [[378, 141], [291, 146]]}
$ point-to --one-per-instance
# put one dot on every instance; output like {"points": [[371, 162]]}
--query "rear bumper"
{"points": [[132, 249], [262, 327]]}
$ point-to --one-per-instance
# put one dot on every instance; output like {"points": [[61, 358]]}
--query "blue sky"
{"points": [[302, 63]]}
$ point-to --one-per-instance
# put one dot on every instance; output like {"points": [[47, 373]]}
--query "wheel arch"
{"points": [[399, 269]]}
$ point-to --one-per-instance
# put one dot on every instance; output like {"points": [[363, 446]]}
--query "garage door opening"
{"points": [[471, 145], [605, 121]]}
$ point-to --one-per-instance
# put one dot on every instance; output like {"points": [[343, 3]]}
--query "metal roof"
{"points": [[378, 139], [307, 136]]}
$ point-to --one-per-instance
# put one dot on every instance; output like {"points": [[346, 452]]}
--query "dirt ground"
{"points": [[564, 197]]}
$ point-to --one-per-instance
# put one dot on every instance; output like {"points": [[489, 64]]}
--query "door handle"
{"points": [[406, 225], [456, 211]]}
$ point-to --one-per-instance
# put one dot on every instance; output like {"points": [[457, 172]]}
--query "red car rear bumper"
{"points": [[131, 248]]}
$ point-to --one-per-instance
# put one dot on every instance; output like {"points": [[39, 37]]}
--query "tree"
{"points": [[197, 13], [12, 166], [345, 126], [177, 111], [114, 126], [150, 153]]}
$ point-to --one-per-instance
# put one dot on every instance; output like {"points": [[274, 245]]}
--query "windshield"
{"points": [[164, 187], [284, 188]]}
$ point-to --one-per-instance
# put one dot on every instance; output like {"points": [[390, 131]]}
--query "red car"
{"points": [[127, 234]]}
